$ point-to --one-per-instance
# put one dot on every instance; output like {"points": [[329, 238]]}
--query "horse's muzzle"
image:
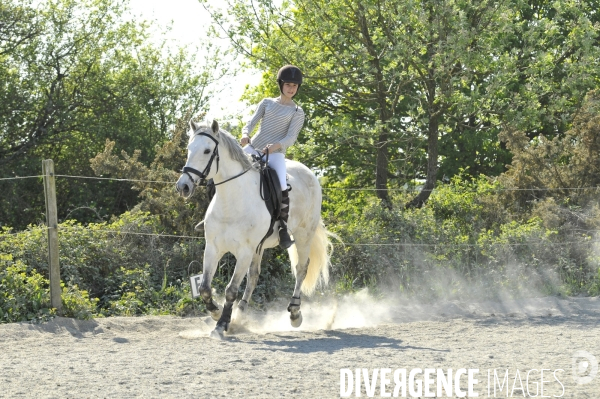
{"points": [[184, 188]]}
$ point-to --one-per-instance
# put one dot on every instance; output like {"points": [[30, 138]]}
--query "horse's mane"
{"points": [[227, 140], [232, 145]]}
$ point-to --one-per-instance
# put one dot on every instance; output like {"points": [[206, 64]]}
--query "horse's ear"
{"points": [[215, 127], [193, 125]]}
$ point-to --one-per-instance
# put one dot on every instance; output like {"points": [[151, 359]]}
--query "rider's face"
{"points": [[289, 89]]}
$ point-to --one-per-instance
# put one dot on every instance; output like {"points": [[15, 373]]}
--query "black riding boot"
{"points": [[285, 240]]}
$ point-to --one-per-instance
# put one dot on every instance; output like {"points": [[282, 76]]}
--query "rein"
{"points": [[262, 165]]}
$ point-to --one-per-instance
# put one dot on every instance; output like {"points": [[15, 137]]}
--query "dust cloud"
{"points": [[437, 294]]}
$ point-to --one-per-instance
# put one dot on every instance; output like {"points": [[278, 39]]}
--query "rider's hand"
{"points": [[245, 140], [269, 148]]}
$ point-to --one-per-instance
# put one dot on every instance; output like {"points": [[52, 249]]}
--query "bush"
{"points": [[77, 303], [25, 295], [120, 268], [462, 243]]}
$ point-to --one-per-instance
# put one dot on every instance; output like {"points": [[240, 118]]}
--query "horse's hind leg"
{"points": [[301, 271], [241, 267], [252, 280]]}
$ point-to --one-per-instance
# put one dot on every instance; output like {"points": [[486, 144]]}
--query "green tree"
{"points": [[406, 89], [88, 74], [548, 62], [390, 78], [565, 168], [154, 183], [18, 25]]}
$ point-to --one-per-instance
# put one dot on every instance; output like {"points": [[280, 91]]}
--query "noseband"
{"points": [[202, 175]]}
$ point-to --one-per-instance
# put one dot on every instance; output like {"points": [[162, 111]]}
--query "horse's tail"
{"points": [[321, 249]]}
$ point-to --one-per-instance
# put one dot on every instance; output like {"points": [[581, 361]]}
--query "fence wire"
{"points": [[340, 244], [20, 177], [163, 235], [115, 179], [5, 234], [324, 188]]}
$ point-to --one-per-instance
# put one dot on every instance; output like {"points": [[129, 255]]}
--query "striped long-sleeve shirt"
{"points": [[278, 123]]}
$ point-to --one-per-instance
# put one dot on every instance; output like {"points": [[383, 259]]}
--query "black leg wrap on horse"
{"points": [[294, 303], [225, 316], [227, 309], [211, 306]]}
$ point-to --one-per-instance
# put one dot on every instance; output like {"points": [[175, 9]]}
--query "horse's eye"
{"points": [[207, 151]]}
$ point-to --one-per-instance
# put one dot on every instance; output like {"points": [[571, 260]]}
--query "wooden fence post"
{"points": [[52, 224]]}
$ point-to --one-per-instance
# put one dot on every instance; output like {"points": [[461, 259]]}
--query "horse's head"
{"points": [[203, 152]]}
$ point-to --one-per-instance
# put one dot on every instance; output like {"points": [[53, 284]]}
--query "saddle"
{"points": [[270, 193]]}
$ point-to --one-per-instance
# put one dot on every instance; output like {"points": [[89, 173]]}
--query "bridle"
{"points": [[202, 175]]}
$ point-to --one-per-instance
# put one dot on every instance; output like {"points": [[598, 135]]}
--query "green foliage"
{"points": [[134, 292], [463, 244], [123, 267], [395, 91], [24, 295], [76, 74], [403, 90], [77, 303], [155, 182], [565, 167]]}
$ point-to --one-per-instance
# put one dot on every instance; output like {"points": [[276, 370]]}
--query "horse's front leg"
{"points": [[252, 280], [241, 267], [211, 259]]}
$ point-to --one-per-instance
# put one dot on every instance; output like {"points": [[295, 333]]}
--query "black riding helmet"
{"points": [[289, 74]]}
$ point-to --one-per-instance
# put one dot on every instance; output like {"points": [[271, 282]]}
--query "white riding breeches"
{"points": [[276, 161]]}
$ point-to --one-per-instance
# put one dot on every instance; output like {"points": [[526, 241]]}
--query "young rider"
{"points": [[281, 119]]}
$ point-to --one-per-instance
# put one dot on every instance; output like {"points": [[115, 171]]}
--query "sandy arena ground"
{"points": [[263, 357]]}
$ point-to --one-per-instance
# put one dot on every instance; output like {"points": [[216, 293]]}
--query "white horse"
{"points": [[237, 220]]}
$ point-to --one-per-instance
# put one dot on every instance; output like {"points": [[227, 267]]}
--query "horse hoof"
{"points": [[217, 334], [242, 305], [296, 319], [216, 315], [219, 331]]}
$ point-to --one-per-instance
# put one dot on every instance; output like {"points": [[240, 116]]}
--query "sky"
{"points": [[189, 20]]}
